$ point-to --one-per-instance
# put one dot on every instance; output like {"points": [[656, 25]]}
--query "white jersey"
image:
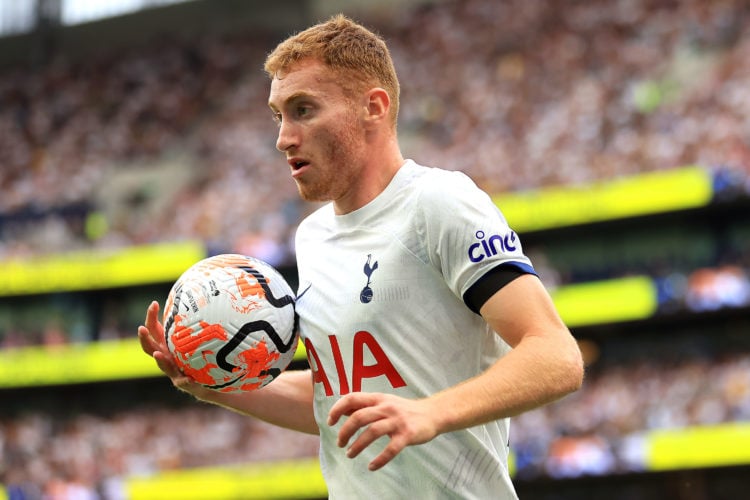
{"points": [[381, 307]]}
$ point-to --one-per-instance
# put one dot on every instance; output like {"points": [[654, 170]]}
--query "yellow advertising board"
{"points": [[648, 193], [91, 270]]}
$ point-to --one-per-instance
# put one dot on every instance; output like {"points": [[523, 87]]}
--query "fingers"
{"points": [[376, 430], [151, 337], [390, 451], [151, 334], [362, 418], [376, 415], [155, 328], [349, 404], [370, 434], [166, 363], [147, 342], [153, 343]]}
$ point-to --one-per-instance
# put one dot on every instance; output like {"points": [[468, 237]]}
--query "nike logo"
{"points": [[299, 296]]}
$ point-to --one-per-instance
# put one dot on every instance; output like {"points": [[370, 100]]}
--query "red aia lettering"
{"points": [[362, 339], [340, 371], [382, 366], [318, 372]]}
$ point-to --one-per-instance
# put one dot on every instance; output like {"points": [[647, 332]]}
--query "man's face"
{"points": [[319, 131]]}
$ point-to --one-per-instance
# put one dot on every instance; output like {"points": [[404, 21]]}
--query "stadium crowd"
{"points": [[48, 321], [536, 95], [517, 94], [88, 456], [602, 429]]}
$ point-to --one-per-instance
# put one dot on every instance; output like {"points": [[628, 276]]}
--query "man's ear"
{"points": [[378, 103]]}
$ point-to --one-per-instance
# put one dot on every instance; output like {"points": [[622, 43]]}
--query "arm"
{"points": [[286, 402], [544, 365]]}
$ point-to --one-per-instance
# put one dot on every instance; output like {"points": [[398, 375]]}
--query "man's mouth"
{"points": [[297, 164]]}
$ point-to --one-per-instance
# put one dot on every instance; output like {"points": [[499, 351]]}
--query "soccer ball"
{"points": [[230, 323]]}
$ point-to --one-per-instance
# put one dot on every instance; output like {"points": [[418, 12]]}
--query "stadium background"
{"points": [[614, 135]]}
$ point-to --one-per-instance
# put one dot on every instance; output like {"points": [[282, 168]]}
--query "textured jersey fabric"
{"points": [[381, 306]]}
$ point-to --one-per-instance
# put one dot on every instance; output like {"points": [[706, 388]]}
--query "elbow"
{"points": [[568, 370], [577, 376], [574, 370]]}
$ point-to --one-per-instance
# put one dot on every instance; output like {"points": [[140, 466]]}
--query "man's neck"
{"points": [[375, 178]]}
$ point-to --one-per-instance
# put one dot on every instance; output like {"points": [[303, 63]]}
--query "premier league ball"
{"points": [[229, 322]]}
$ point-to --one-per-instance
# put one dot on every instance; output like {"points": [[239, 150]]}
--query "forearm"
{"points": [[536, 372], [286, 402], [543, 365]]}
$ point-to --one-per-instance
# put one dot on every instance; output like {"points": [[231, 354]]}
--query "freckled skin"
{"points": [[318, 123]]}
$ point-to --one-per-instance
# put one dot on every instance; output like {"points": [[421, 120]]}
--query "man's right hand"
{"points": [[287, 402], [153, 343]]}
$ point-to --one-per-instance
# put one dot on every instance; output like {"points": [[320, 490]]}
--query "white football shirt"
{"points": [[381, 307]]}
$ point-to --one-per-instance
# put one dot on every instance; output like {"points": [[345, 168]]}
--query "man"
{"points": [[425, 325]]}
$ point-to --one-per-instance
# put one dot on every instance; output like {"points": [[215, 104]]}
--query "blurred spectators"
{"points": [[712, 289], [84, 456], [705, 289], [537, 94], [48, 320], [517, 94], [598, 430]]}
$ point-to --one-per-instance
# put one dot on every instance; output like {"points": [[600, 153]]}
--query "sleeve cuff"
{"points": [[492, 281]]}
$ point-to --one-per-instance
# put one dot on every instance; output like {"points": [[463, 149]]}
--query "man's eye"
{"points": [[303, 111]]}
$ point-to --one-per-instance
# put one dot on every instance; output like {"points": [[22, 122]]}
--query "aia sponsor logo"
{"points": [[487, 246], [366, 360]]}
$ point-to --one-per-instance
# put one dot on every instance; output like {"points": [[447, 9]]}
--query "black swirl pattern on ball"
{"points": [[277, 303], [259, 325], [175, 309]]}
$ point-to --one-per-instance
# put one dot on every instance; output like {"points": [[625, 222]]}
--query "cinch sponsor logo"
{"points": [[487, 247]]}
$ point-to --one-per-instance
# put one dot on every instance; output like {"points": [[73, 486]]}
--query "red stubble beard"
{"points": [[334, 173]]}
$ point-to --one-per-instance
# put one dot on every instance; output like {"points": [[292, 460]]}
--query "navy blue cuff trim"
{"points": [[492, 281]]}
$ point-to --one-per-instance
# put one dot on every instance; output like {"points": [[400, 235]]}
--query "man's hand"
{"points": [[153, 343], [405, 421]]}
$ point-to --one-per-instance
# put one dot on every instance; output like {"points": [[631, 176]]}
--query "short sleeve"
{"points": [[467, 237]]}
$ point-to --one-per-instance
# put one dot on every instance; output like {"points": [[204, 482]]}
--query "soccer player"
{"points": [[425, 325]]}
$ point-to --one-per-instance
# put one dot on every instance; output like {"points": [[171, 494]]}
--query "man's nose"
{"points": [[287, 137]]}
